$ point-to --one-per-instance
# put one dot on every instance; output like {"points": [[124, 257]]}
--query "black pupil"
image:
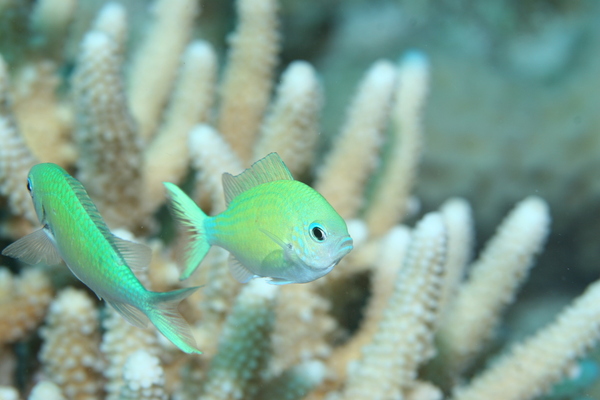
{"points": [[318, 234], [28, 185]]}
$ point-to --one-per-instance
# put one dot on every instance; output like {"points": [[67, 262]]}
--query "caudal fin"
{"points": [[165, 316], [186, 212]]}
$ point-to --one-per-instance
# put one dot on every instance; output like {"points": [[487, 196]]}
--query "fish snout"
{"points": [[345, 246]]}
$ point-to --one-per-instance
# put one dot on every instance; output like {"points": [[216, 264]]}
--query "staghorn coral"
{"points": [[106, 134], [16, 158], [162, 46], [248, 77], [261, 341], [70, 352], [292, 126], [143, 378], [46, 390], [388, 364], [8, 393], [473, 314], [342, 186], [190, 104], [23, 302], [120, 341]]}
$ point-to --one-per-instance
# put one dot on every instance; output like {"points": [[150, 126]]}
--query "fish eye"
{"points": [[29, 185], [317, 232]]}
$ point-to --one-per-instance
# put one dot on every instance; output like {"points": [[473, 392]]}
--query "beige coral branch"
{"points": [[50, 21], [294, 383], [48, 133], [405, 333], [166, 158], [9, 393], [70, 354], [215, 301], [355, 152], [120, 340], [106, 136], [211, 156], [292, 125], [459, 222], [493, 280], [248, 76], [244, 347], [390, 258], [112, 20], [390, 199], [155, 63], [303, 307], [16, 158], [23, 302], [529, 369], [144, 377], [45, 390]]}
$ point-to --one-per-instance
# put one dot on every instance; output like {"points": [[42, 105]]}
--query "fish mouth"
{"points": [[345, 246]]}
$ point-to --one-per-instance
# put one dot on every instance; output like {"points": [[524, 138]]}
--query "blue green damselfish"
{"points": [[73, 230], [274, 226]]}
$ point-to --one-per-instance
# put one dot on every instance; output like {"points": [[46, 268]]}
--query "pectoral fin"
{"points": [[288, 248], [285, 246], [37, 247]]}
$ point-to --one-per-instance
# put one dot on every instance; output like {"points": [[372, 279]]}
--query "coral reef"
{"points": [[407, 314]]}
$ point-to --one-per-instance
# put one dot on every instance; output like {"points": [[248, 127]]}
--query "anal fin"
{"points": [[131, 314], [239, 272], [279, 282]]}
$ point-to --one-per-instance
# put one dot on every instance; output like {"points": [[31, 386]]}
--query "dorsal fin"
{"points": [[89, 207], [136, 255], [268, 169]]}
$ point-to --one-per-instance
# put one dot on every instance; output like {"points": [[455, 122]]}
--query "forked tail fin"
{"points": [[165, 316], [186, 212]]}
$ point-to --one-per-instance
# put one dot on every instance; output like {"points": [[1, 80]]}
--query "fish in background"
{"points": [[73, 230], [273, 227]]}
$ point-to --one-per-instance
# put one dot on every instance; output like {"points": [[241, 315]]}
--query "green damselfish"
{"points": [[73, 230], [274, 226]]}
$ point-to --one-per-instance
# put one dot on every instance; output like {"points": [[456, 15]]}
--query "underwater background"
{"points": [[501, 124]]}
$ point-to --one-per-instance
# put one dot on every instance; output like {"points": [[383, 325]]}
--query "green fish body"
{"points": [[73, 230], [273, 226]]}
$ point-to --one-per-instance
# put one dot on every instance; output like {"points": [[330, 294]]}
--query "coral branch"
{"points": [[291, 127], [530, 368], [69, 354], [155, 63], [248, 76], [109, 147], [355, 151], [404, 337], [16, 159], [472, 318], [167, 157], [390, 199], [23, 302], [245, 346]]}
